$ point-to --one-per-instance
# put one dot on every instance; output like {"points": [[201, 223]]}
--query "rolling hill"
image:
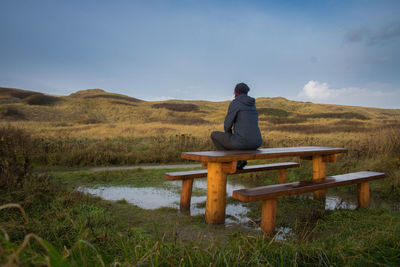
{"points": [[95, 127], [109, 114]]}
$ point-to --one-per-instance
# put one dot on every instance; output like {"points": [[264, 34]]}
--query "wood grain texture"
{"points": [[229, 167], [186, 194], [265, 153], [319, 172], [330, 158], [216, 194], [281, 190], [326, 158], [254, 168], [282, 176], [363, 195], [268, 216]]}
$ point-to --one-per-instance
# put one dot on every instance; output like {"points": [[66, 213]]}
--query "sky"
{"points": [[323, 51]]}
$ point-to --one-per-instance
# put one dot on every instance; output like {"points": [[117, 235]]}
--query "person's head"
{"points": [[241, 89]]}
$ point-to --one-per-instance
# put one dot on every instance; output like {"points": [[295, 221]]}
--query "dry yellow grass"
{"points": [[98, 114]]}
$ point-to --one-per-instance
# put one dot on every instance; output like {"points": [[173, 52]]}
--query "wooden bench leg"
{"points": [[363, 195], [319, 172], [186, 194], [216, 193], [282, 176], [268, 216]]}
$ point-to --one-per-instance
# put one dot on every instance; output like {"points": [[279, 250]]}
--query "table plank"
{"points": [[264, 153]]}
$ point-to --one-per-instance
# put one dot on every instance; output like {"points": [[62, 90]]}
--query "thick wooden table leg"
{"points": [[186, 194], [319, 172], [216, 193], [282, 176], [363, 195], [268, 216]]}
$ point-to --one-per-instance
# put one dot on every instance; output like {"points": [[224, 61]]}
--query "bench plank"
{"points": [[265, 153], [269, 194], [280, 190], [254, 168]]}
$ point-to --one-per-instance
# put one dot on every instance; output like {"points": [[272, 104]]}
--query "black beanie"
{"points": [[242, 88]]}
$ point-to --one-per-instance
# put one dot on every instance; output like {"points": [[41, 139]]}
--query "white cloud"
{"points": [[315, 91]]}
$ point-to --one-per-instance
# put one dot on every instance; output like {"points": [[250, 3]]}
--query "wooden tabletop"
{"points": [[264, 153]]}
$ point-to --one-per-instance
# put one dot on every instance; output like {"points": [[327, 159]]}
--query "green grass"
{"points": [[78, 229], [136, 177]]}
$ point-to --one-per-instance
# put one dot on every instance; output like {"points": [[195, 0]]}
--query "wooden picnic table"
{"points": [[221, 163]]}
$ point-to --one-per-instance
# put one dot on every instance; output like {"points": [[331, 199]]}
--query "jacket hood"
{"points": [[245, 99]]}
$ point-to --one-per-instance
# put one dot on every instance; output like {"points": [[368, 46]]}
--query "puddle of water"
{"points": [[283, 233], [143, 197], [334, 202], [154, 198]]}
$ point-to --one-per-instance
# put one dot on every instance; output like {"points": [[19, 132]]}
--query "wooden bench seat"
{"points": [[188, 176], [269, 194]]}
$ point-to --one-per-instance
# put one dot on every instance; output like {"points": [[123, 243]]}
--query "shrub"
{"points": [[22, 94], [286, 120], [350, 123], [180, 107], [15, 152], [119, 97], [41, 99], [186, 120], [11, 112], [332, 115], [123, 103]]}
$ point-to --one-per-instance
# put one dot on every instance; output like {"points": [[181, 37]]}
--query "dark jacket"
{"points": [[243, 117]]}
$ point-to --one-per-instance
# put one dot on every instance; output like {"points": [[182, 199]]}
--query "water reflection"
{"points": [[143, 197], [334, 202], [154, 198], [202, 185], [283, 233]]}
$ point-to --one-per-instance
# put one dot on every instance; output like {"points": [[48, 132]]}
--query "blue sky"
{"points": [[333, 51]]}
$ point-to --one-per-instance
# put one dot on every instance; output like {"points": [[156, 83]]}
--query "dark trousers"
{"points": [[222, 141]]}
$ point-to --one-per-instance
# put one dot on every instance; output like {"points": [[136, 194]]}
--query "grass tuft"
{"points": [[180, 107]]}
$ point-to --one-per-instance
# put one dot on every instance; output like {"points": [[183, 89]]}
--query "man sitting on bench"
{"points": [[242, 116]]}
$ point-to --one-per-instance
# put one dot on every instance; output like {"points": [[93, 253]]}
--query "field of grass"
{"points": [[50, 223], [66, 227], [93, 127]]}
